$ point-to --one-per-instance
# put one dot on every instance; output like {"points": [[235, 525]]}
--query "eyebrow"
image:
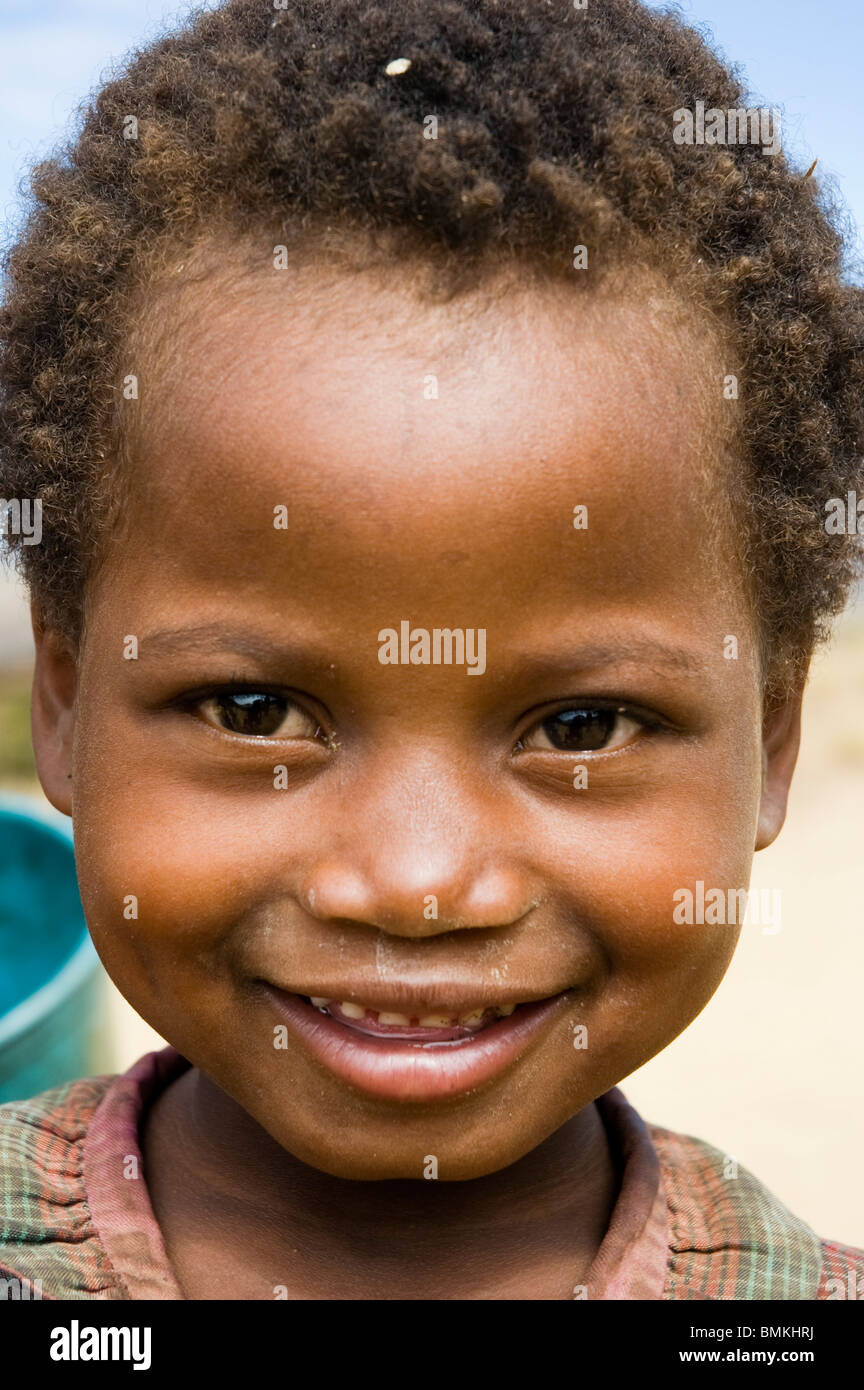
{"points": [[636, 652], [215, 637]]}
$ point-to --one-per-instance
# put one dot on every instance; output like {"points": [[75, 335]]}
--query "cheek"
{"points": [[164, 876], [191, 853], [697, 825], [625, 869], [657, 864]]}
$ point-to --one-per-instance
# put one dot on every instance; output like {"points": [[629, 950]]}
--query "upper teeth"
{"points": [[352, 1010]]}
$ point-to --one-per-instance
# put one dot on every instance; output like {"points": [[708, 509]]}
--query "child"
{"points": [[434, 448]]}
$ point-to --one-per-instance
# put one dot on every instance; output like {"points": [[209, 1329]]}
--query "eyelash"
{"points": [[645, 721], [192, 703]]}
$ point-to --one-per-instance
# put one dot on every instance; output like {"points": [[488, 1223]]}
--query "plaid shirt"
{"points": [[76, 1220]]}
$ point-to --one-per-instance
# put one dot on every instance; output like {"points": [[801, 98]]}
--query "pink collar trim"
{"points": [[631, 1263]]}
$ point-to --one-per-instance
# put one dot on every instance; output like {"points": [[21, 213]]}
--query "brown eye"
{"points": [[582, 731], [257, 714]]}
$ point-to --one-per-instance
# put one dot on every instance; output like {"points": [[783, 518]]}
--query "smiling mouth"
{"points": [[438, 1025], [421, 1057]]}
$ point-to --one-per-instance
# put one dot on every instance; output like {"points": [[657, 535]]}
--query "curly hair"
{"points": [[554, 127]]}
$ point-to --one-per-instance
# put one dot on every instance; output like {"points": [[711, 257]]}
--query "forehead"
{"points": [[220, 350], [425, 444]]}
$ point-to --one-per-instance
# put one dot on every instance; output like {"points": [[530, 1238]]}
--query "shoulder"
{"points": [[731, 1238], [842, 1272], [48, 1242]]}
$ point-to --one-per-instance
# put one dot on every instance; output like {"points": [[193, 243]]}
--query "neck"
{"points": [[211, 1165]]}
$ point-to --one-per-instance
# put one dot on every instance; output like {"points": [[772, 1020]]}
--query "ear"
{"points": [[781, 739], [52, 715]]}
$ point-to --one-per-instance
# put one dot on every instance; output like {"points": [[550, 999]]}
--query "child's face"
{"points": [[411, 787]]}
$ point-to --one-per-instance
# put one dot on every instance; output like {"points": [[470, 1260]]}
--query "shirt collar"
{"points": [[631, 1263]]}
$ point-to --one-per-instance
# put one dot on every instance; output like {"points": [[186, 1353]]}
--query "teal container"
{"points": [[53, 1001]]}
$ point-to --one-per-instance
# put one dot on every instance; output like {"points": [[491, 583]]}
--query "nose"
{"points": [[421, 853]]}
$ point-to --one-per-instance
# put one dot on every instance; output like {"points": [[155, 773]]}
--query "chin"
{"points": [[417, 1148]]}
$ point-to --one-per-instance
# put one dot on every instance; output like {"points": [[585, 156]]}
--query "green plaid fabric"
{"points": [[730, 1238], [76, 1220]]}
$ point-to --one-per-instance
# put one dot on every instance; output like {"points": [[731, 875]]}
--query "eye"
{"points": [[583, 730], [258, 714]]}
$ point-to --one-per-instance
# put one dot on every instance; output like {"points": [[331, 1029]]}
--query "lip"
{"points": [[402, 1070]]}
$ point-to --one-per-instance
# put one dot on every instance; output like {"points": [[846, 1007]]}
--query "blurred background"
{"points": [[771, 1071]]}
